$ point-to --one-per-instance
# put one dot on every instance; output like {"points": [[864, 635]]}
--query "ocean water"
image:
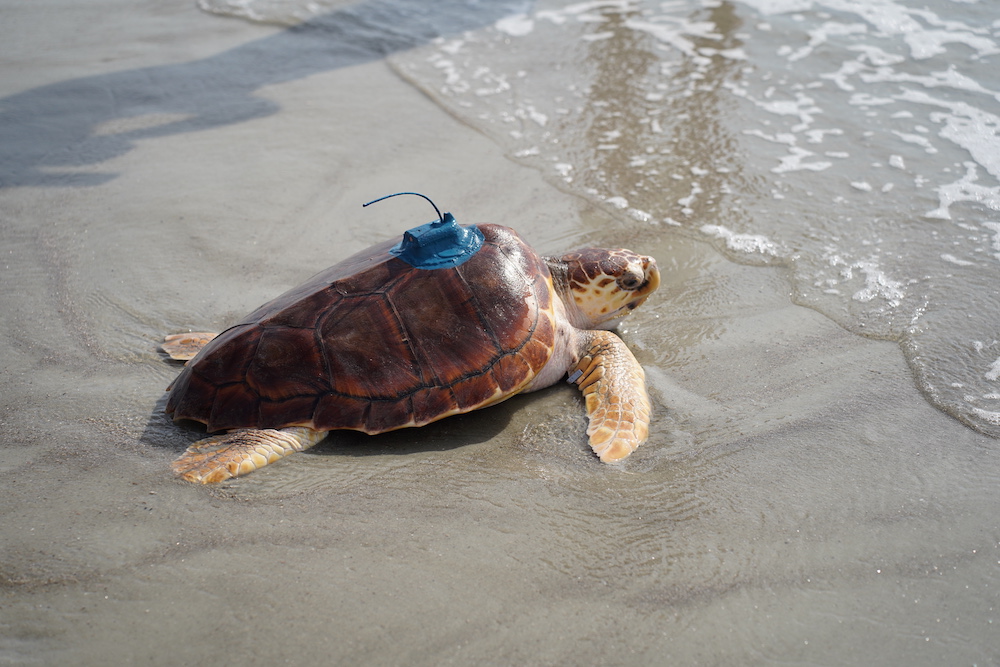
{"points": [[853, 142]]}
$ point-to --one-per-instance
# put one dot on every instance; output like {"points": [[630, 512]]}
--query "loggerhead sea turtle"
{"points": [[451, 319]]}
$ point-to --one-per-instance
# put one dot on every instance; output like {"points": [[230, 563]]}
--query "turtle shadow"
{"points": [[455, 432], [47, 132]]}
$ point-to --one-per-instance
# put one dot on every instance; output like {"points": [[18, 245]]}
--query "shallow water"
{"points": [[797, 501]]}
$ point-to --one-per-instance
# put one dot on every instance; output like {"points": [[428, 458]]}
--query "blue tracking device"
{"points": [[440, 244]]}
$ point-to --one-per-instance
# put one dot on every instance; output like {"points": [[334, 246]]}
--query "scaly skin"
{"points": [[239, 452], [614, 388]]}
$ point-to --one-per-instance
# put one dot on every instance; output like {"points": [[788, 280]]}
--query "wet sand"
{"points": [[798, 501]]}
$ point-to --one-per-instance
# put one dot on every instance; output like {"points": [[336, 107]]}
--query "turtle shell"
{"points": [[373, 344]]}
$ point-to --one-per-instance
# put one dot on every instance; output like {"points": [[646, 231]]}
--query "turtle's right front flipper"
{"points": [[236, 453], [614, 387]]}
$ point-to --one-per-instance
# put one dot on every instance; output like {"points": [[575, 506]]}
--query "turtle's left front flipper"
{"points": [[614, 387]]}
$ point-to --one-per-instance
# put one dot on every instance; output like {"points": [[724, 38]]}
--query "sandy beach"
{"points": [[798, 501]]}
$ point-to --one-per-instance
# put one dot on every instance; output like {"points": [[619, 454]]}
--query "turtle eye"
{"points": [[630, 281]]}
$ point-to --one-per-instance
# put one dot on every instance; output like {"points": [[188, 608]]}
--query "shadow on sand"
{"points": [[48, 131]]}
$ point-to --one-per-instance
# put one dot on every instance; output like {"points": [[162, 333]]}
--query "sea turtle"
{"points": [[452, 319]]}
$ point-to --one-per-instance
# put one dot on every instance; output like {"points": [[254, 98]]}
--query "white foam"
{"points": [[517, 25], [642, 216], [580, 10], [917, 139], [498, 83], [847, 70], [453, 81], [748, 243], [987, 416], [867, 100], [993, 374], [794, 162], [530, 112], [876, 56], [730, 54], [817, 136], [686, 202], [778, 6], [886, 16], [780, 138], [928, 43], [877, 284], [966, 189], [802, 106], [667, 34], [973, 129], [951, 259], [949, 78], [821, 34]]}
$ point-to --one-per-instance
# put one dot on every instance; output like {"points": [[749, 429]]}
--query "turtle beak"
{"points": [[648, 286], [642, 292], [652, 276]]}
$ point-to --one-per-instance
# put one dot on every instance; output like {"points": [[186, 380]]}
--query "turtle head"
{"points": [[600, 286]]}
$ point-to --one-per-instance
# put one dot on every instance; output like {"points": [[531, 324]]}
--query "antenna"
{"points": [[436, 209]]}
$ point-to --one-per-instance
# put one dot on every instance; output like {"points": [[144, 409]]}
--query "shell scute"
{"points": [[235, 405], [387, 415], [441, 318], [347, 411], [510, 371], [226, 358], [322, 285], [538, 349], [366, 349], [430, 404], [476, 391], [304, 313], [288, 363], [505, 313], [376, 278], [293, 411], [189, 394]]}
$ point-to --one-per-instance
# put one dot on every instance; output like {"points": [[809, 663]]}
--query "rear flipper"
{"points": [[614, 387], [184, 346], [236, 453]]}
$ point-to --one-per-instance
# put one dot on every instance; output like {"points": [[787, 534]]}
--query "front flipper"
{"points": [[184, 346], [614, 387], [236, 453]]}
